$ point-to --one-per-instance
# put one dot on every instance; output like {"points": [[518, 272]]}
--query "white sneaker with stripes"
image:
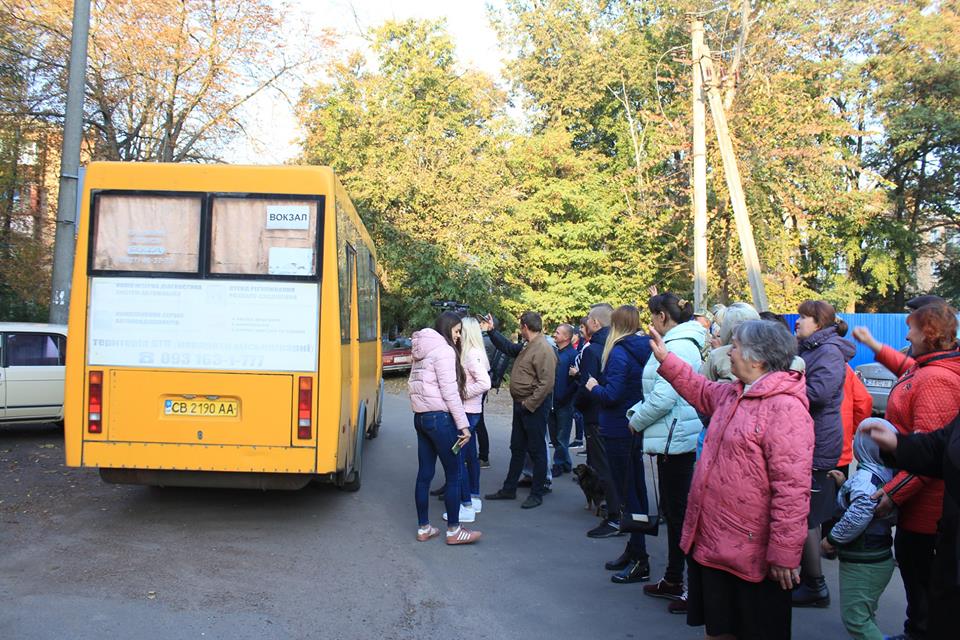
{"points": [[461, 535]]}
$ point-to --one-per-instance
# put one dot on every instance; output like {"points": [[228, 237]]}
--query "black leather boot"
{"points": [[635, 571], [619, 564], [811, 592]]}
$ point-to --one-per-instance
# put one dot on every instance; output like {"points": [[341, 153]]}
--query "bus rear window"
{"points": [[147, 233], [264, 237]]}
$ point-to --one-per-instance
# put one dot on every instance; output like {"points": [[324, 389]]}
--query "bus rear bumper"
{"points": [[198, 465], [207, 479]]}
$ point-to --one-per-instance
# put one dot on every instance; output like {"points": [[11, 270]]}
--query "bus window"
{"points": [[264, 237], [146, 233]]}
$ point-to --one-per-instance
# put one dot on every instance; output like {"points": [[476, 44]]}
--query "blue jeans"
{"points": [[578, 420], [528, 461], [528, 437], [561, 422], [470, 465], [436, 434], [625, 456]]}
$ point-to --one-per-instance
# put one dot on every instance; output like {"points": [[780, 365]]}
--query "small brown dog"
{"points": [[589, 481]]}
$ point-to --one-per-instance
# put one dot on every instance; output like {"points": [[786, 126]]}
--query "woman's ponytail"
{"points": [[678, 310], [842, 327]]}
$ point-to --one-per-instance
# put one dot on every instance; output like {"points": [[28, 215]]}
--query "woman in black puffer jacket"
{"points": [[825, 353]]}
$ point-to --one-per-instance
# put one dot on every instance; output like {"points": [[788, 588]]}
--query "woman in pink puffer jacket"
{"points": [[746, 514], [436, 388]]}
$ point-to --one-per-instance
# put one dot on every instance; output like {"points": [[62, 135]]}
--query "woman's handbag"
{"points": [[645, 523]]}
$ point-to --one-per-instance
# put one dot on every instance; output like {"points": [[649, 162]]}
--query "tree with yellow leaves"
{"points": [[166, 79]]}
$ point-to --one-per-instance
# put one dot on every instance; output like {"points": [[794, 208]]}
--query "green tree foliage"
{"points": [[25, 142], [421, 148], [917, 101], [949, 273], [843, 121], [844, 118]]}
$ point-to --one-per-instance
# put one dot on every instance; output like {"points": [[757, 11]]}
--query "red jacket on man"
{"points": [[924, 399]]}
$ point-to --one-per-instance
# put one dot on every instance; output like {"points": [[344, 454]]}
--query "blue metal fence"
{"points": [[888, 328]]}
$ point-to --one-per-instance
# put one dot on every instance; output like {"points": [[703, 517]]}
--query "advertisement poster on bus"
{"points": [[203, 325]]}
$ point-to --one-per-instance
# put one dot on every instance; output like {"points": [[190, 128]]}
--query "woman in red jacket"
{"points": [[924, 399], [856, 407]]}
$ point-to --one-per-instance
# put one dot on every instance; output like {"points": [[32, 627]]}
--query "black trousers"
{"points": [[915, 556], [944, 604], [625, 456], [675, 472], [483, 438], [597, 459], [528, 437]]}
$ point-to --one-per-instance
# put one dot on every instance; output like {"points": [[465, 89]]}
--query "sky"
{"points": [[270, 119]]}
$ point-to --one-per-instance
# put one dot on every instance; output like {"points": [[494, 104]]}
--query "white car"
{"points": [[32, 360]]}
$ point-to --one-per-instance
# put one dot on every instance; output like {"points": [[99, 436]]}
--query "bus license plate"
{"points": [[201, 407]]}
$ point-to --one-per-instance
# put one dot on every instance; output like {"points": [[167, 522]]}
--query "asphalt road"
{"points": [[84, 559]]}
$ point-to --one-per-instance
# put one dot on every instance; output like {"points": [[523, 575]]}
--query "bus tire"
{"points": [[353, 483], [351, 479], [374, 429]]}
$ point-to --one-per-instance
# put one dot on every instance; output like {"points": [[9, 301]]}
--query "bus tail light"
{"points": [[305, 422], [95, 403]]}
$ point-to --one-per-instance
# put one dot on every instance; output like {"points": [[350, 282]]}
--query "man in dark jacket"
{"points": [[531, 385], [561, 416], [935, 454], [584, 336], [499, 362], [598, 324]]}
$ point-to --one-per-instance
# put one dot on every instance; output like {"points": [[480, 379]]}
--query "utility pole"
{"points": [[699, 175], [70, 166], [734, 184]]}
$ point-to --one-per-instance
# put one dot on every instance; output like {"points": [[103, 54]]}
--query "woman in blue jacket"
{"points": [[620, 387]]}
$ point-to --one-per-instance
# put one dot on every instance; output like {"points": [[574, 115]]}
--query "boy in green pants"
{"points": [[863, 542]]}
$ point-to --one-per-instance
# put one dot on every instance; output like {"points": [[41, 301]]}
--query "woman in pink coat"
{"points": [[746, 514], [436, 395]]}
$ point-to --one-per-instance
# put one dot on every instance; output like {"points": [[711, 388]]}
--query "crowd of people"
{"points": [[760, 469]]}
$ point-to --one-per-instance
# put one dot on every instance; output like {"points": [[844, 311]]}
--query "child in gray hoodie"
{"points": [[862, 541]]}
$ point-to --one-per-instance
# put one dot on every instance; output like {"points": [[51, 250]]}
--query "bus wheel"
{"points": [[353, 482], [374, 429], [351, 479]]}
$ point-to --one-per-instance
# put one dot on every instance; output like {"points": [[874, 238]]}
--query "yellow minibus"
{"points": [[224, 328]]}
